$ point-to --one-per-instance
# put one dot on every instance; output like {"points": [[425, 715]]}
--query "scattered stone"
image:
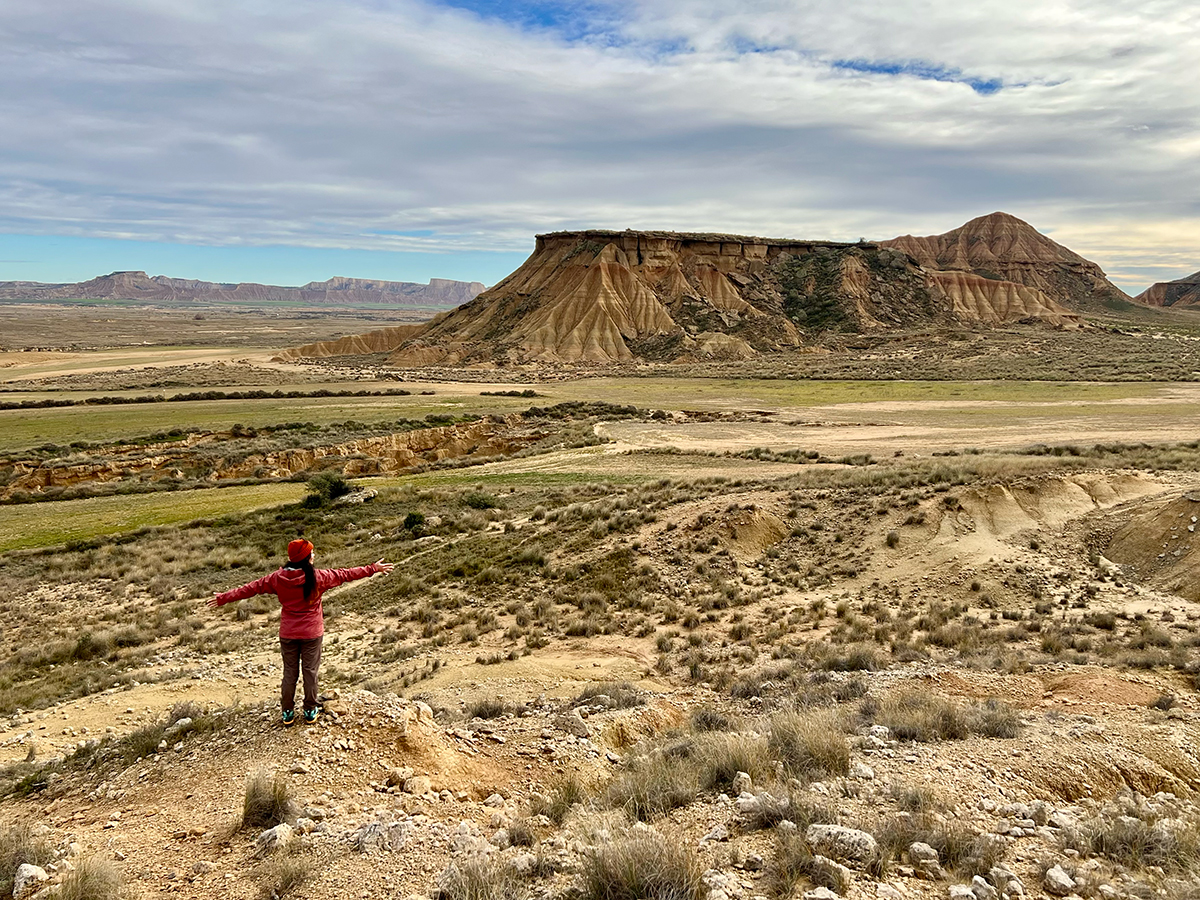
{"points": [[887, 892], [820, 893], [742, 783], [961, 892], [982, 890], [717, 833], [862, 772]]}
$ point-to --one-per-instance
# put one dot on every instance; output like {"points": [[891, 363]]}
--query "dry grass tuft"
{"points": [[810, 744], [642, 865], [92, 878], [480, 878], [282, 874], [268, 800]]}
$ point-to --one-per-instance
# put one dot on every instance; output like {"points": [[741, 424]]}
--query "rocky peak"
{"points": [[1000, 246]]}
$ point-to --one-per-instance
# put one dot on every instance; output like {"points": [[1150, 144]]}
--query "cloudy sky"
{"points": [[290, 140]]}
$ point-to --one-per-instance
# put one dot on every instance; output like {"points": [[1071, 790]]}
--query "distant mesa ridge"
{"points": [[598, 296], [1183, 292], [439, 293]]}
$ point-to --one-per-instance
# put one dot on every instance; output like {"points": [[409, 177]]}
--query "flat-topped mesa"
{"points": [[1002, 247], [597, 296], [1183, 292]]}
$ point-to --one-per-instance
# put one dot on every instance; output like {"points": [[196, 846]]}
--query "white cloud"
{"points": [[340, 123]]}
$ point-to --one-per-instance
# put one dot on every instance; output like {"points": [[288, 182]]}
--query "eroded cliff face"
{"points": [[1002, 247], [189, 459], [382, 341], [1184, 292], [613, 297]]}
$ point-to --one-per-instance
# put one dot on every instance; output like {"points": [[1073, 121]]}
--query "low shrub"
{"points": [[481, 878], [810, 744], [643, 865], [282, 874], [268, 800], [620, 694], [92, 878]]}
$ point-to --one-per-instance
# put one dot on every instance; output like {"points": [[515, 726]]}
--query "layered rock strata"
{"points": [[1001, 247], [193, 459], [615, 297], [1183, 292]]}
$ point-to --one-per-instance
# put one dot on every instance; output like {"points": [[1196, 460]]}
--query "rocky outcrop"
{"points": [[440, 293], [978, 299], [1183, 292], [1001, 247], [192, 459], [613, 297], [382, 341]]}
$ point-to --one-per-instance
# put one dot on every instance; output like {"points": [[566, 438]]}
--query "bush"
{"points": [[810, 744], [707, 718], [282, 874], [268, 800], [92, 878], [326, 486], [653, 785], [480, 878], [564, 795], [489, 708], [622, 694], [480, 500], [642, 865]]}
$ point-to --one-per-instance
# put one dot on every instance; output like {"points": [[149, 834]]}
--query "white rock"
{"points": [[742, 783], [982, 890], [28, 880], [1058, 882], [821, 893], [839, 842], [273, 839], [961, 892], [887, 892], [862, 772]]}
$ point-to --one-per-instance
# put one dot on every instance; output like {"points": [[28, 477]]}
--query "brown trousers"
{"points": [[298, 654]]}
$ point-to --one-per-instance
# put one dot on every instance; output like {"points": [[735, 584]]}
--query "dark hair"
{"points": [[310, 575]]}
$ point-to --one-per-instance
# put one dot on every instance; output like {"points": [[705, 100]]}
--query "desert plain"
{"points": [[902, 617]]}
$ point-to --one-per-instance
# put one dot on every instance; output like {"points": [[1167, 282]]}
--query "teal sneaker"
{"points": [[289, 717], [311, 715]]}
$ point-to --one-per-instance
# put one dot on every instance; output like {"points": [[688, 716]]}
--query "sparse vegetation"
{"points": [[268, 800], [645, 865]]}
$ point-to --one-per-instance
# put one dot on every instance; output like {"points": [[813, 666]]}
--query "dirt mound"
{"points": [[605, 296], [382, 341], [1159, 545], [1003, 511], [1004, 248], [1182, 292]]}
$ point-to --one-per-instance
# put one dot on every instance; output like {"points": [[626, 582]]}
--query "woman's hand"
{"points": [[383, 567], [212, 602]]}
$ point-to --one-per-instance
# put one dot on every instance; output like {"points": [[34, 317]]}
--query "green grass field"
{"points": [[48, 524], [23, 429]]}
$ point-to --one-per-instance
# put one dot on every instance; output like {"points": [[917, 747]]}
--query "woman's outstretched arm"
{"points": [[264, 585]]}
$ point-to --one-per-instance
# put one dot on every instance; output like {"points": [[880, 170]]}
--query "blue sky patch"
{"points": [[923, 70], [572, 20]]}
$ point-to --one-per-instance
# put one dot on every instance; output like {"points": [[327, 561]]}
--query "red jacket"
{"points": [[300, 618]]}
